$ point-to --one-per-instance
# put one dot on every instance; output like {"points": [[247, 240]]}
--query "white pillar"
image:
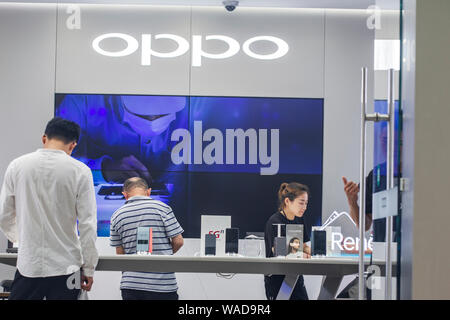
{"points": [[425, 236]]}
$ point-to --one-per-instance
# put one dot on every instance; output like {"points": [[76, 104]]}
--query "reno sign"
{"points": [[337, 241], [144, 43]]}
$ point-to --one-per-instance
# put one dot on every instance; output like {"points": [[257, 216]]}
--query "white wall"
{"points": [[426, 151], [27, 83], [328, 49], [27, 79]]}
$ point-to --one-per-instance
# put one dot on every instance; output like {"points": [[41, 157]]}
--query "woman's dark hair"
{"points": [[291, 191], [61, 129]]}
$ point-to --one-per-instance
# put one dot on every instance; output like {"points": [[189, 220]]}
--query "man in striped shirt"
{"points": [[140, 210]]}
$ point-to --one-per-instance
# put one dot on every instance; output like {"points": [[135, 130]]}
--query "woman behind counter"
{"points": [[293, 200]]}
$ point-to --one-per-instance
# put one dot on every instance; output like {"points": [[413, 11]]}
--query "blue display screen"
{"points": [[200, 155], [299, 122]]}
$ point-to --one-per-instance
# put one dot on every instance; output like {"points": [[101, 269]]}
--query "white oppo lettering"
{"points": [[132, 45], [198, 54], [147, 52]]}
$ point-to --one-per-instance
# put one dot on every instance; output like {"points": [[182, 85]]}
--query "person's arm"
{"points": [[306, 251], [87, 226], [173, 230], [177, 242], [351, 190], [8, 207]]}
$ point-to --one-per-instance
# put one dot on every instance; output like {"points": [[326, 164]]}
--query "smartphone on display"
{"points": [[210, 244], [232, 240]]}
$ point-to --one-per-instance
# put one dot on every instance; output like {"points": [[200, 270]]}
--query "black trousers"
{"points": [[128, 294], [50, 288], [273, 284]]}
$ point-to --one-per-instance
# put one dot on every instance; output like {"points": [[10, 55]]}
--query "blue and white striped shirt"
{"points": [[141, 211]]}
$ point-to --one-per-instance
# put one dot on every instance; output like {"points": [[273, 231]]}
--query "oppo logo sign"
{"points": [[183, 46]]}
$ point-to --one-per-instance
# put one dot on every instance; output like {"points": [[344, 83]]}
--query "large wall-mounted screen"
{"points": [[200, 155]]}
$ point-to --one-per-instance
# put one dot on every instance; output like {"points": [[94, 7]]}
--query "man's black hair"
{"points": [[61, 129]]}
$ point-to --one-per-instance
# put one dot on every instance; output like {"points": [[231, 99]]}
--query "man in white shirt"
{"points": [[44, 193]]}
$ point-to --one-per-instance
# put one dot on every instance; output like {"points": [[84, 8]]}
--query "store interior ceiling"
{"points": [[332, 4]]}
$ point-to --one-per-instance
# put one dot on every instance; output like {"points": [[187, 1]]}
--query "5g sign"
{"points": [[217, 233], [183, 46]]}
